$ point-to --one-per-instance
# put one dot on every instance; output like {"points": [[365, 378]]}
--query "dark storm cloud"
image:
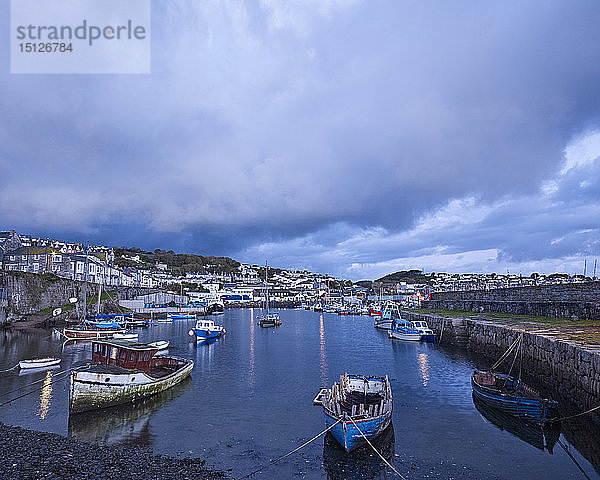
{"points": [[323, 127]]}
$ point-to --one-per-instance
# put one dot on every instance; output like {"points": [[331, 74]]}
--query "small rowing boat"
{"points": [[160, 344], [39, 362], [510, 395], [356, 408], [126, 336]]}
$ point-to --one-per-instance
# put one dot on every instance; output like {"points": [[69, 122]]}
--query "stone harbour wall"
{"points": [[557, 365], [580, 300], [28, 293]]}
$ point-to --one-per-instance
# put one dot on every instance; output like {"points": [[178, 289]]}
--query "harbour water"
{"points": [[249, 400]]}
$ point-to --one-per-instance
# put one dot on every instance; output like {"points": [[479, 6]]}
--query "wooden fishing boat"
{"points": [[512, 396], [89, 332], [207, 329], [39, 362], [160, 344], [356, 404], [123, 372]]}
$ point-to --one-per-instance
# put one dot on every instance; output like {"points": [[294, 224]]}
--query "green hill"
{"points": [[177, 263], [406, 276]]}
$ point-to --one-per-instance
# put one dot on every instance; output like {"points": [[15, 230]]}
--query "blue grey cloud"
{"points": [[296, 130]]}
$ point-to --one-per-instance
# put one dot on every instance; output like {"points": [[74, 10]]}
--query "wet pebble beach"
{"points": [[27, 454]]}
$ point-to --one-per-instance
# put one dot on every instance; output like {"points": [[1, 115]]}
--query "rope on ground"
{"points": [[442, 331], [376, 451], [272, 462]]}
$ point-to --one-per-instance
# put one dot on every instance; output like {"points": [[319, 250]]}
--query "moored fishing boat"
{"points": [[510, 395], [269, 320], [427, 334], [122, 372], [390, 313], [39, 362], [216, 308], [88, 332], [404, 330], [182, 316], [207, 329], [356, 407]]}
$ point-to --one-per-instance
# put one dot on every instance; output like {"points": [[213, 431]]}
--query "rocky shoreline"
{"points": [[28, 454]]}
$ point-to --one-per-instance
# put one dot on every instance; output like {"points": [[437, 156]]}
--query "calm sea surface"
{"points": [[249, 400]]}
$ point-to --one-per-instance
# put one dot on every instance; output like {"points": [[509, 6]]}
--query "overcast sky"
{"points": [[348, 137]]}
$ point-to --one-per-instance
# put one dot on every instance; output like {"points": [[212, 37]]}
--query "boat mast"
{"points": [[267, 286], [85, 273]]}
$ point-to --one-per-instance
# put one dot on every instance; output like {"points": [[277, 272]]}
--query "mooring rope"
{"points": [[573, 459], [273, 462], [555, 419], [376, 451], [55, 379], [11, 368], [507, 353]]}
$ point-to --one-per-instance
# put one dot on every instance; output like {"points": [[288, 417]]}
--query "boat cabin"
{"points": [[205, 324], [130, 355]]}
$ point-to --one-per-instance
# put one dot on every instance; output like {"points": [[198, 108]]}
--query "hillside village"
{"points": [[200, 277]]}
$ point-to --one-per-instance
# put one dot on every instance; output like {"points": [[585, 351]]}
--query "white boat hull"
{"points": [[411, 337], [384, 324], [39, 363], [91, 390]]}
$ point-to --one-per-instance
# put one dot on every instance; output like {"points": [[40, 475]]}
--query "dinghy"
{"points": [[39, 362], [160, 344]]}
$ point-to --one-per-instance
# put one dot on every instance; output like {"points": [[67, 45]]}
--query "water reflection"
{"points": [[362, 463], [322, 357], [424, 368], [45, 396], [251, 368], [543, 438], [123, 424]]}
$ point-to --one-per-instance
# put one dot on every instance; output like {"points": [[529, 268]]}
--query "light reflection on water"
{"points": [[249, 399], [45, 396], [322, 355]]}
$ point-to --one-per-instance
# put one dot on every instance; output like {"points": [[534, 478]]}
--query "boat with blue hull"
{"points": [[356, 408], [404, 330], [182, 316], [427, 334], [385, 321], [512, 396], [207, 330]]}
